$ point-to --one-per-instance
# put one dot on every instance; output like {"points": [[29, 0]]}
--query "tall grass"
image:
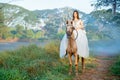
{"points": [[115, 68], [35, 63]]}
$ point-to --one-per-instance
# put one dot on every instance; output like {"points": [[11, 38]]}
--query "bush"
{"points": [[33, 63], [11, 75], [52, 47], [115, 68]]}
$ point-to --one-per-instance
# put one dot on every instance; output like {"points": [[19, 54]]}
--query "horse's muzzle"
{"points": [[69, 34]]}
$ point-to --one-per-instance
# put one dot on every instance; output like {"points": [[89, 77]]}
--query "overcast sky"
{"points": [[82, 5]]}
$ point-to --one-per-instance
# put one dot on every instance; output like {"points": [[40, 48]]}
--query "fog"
{"points": [[108, 47]]}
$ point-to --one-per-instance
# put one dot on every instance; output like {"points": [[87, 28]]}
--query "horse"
{"points": [[71, 46]]}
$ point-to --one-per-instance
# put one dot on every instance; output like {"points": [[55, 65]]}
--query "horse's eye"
{"points": [[71, 22], [66, 22]]}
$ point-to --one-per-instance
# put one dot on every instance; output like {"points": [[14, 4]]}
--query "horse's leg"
{"points": [[83, 64], [70, 63], [76, 63], [78, 58]]}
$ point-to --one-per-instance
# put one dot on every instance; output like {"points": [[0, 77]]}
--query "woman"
{"points": [[82, 42]]}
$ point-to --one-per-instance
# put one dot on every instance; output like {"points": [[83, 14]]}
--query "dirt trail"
{"points": [[100, 72]]}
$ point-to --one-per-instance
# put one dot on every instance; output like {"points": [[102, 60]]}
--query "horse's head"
{"points": [[69, 28]]}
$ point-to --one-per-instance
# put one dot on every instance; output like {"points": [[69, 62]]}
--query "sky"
{"points": [[82, 5]]}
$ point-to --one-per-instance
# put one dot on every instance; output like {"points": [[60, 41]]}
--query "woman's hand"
{"points": [[77, 28], [81, 25], [80, 28]]}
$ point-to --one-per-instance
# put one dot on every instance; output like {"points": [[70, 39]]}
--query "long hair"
{"points": [[77, 14]]}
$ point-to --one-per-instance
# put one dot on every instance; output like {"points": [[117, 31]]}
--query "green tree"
{"points": [[60, 34], [38, 34], [4, 30], [115, 4], [19, 30], [30, 34], [1, 22], [6, 1]]}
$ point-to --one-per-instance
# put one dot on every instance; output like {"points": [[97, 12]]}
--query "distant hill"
{"points": [[99, 24], [15, 15], [55, 19], [49, 20], [102, 24]]}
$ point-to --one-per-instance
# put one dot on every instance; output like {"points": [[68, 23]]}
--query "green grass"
{"points": [[115, 68], [35, 63]]}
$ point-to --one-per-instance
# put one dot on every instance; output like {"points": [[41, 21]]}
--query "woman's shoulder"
{"points": [[79, 21]]}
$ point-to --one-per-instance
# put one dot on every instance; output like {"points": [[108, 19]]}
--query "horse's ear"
{"points": [[71, 22], [67, 22]]}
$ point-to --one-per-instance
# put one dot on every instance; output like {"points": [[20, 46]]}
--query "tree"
{"points": [[19, 30], [30, 34], [5, 1], [3, 5], [38, 34], [1, 23], [4, 30], [1, 17], [103, 3]]}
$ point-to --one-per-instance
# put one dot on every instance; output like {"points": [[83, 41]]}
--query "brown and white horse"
{"points": [[71, 46]]}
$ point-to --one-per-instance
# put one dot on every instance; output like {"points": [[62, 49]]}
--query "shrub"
{"points": [[11, 75], [115, 68]]}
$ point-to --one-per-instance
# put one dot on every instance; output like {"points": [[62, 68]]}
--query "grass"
{"points": [[115, 68], [35, 63]]}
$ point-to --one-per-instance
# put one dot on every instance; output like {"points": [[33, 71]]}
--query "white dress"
{"points": [[82, 42]]}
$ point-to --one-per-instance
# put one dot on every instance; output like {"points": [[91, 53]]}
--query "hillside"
{"points": [[50, 21], [15, 15], [99, 24], [55, 19], [103, 24]]}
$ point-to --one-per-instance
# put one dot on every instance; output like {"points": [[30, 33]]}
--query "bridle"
{"points": [[76, 35], [72, 33]]}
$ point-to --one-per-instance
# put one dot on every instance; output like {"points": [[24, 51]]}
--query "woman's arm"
{"points": [[81, 26]]}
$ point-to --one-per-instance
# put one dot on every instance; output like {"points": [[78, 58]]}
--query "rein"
{"points": [[76, 35]]}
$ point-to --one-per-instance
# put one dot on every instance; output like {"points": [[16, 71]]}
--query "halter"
{"points": [[76, 35], [72, 33]]}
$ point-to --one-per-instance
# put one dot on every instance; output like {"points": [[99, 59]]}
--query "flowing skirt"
{"points": [[82, 44]]}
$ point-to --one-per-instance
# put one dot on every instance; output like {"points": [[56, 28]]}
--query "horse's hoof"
{"points": [[70, 73], [76, 73], [83, 71], [70, 64]]}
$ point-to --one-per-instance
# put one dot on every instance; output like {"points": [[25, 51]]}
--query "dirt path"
{"points": [[100, 72]]}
